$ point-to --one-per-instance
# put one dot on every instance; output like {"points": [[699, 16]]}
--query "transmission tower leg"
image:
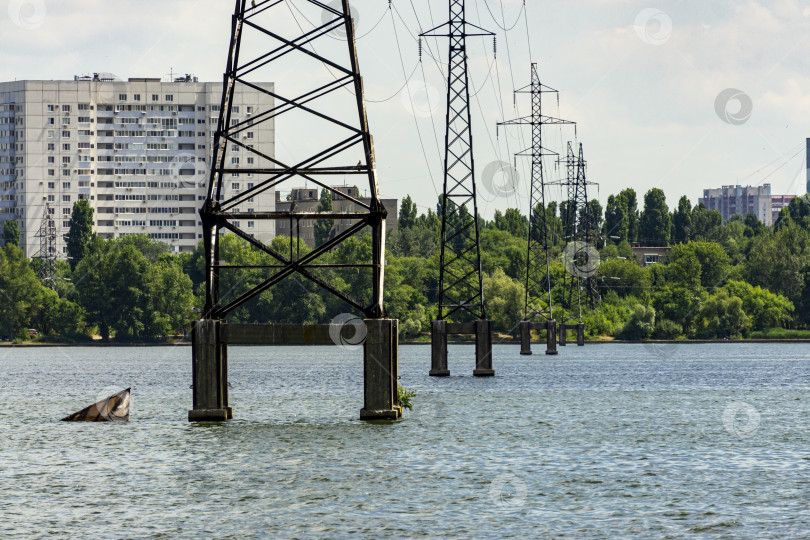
{"points": [[580, 335], [551, 337], [210, 374], [525, 338], [438, 349], [380, 366], [483, 349]]}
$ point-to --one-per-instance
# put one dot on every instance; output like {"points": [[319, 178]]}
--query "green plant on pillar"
{"points": [[404, 397]]}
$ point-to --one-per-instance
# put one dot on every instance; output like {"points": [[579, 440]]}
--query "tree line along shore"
{"points": [[734, 280]]}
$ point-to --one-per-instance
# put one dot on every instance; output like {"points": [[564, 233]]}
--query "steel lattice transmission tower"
{"points": [[461, 295], [328, 128], [461, 287], [580, 229], [538, 276], [47, 249]]}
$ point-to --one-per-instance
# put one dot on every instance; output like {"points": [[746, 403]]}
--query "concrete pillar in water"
{"points": [[209, 372], [380, 364], [551, 337], [483, 349], [525, 338], [580, 335], [438, 349], [563, 335]]}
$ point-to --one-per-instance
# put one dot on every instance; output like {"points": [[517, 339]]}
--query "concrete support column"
{"points": [[580, 335], [438, 349], [483, 349], [525, 338], [209, 372], [551, 337], [563, 335], [380, 370]]}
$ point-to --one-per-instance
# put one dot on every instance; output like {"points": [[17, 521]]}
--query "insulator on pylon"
{"points": [[495, 46], [420, 49]]}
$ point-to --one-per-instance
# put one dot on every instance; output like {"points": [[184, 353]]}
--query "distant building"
{"points": [[807, 163], [778, 202], [137, 150], [308, 199], [650, 255], [731, 200]]}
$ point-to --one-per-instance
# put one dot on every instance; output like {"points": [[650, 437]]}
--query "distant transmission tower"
{"points": [[461, 292], [47, 249], [538, 279], [580, 230]]}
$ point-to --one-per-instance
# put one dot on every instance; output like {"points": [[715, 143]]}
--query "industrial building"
{"points": [[308, 200], [138, 150]]}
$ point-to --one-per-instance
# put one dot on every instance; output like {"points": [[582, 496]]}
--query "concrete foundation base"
{"points": [[482, 330], [580, 328], [526, 328], [210, 340]]}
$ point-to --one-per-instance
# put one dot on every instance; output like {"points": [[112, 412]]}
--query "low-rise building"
{"points": [[308, 200]]}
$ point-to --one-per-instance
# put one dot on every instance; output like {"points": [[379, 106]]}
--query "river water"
{"points": [[602, 441]]}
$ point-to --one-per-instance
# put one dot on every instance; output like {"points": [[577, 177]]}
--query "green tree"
{"points": [[11, 233], [505, 299], [721, 316], [80, 233], [714, 262], [682, 221], [20, 291], [764, 308], [705, 222], [407, 213], [513, 222], [324, 227], [798, 211], [656, 225], [615, 220], [641, 323], [630, 203], [779, 261]]}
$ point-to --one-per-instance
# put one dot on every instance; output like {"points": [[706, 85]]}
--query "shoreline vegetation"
{"points": [[739, 281]]}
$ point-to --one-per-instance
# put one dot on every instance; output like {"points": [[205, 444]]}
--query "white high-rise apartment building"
{"points": [[138, 150]]}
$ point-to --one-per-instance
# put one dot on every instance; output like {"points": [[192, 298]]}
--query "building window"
{"points": [[250, 110], [66, 159], [51, 172], [65, 198], [65, 172], [51, 159], [66, 134], [250, 224], [65, 211], [66, 146], [650, 258], [249, 134], [51, 108], [51, 185], [51, 198], [235, 185], [65, 185], [51, 121], [50, 135], [122, 97], [155, 97], [169, 97], [51, 146], [65, 108], [136, 97]]}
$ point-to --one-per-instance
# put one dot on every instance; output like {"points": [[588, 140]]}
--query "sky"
{"points": [[681, 94]]}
